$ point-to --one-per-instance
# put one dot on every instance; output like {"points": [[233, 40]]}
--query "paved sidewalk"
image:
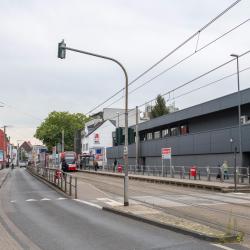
{"points": [[217, 186], [3, 175]]}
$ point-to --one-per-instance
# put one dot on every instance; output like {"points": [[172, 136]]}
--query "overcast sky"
{"points": [[138, 33]]}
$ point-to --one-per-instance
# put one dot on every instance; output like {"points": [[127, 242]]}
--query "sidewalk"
{"points": [[3, 175], [210, 185]]}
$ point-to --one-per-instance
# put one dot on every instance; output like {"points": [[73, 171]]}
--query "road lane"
{"points": [[54, 223]]}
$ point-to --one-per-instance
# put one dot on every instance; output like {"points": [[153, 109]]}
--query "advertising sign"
{"points": [[97, 138], [1, 155], [166, 153]]}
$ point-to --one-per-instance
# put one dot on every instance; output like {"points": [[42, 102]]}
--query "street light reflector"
{"points": [[61, 50]]}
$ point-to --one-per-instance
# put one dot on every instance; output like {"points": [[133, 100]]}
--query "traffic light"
{"points": [[61, 50], [119, 136], [131, 136]]}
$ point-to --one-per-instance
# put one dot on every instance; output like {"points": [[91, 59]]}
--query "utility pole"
{"points": [[137, 139], [239, 107], [63, 140], [17, 160], [4, 146], [118, 119], [75, 141]]}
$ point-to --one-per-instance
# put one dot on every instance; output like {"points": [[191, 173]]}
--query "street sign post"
{"points": [[166, 154]]}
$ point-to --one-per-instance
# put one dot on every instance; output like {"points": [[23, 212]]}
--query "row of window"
{"points": [[173, 131]]}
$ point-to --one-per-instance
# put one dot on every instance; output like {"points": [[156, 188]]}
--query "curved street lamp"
{"points": [[62, 55]]}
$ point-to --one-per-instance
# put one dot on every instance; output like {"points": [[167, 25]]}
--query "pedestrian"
{"points": [[115, 164], [219, 171], [96, 165], [225, 170]]}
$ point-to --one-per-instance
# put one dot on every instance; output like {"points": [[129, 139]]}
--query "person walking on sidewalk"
{"points": [[96, 165], [225, 170], [114, 165]]}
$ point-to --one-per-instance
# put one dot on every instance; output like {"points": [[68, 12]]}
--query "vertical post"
{"points": [[235, 170], [75, 187], [126, 203], [75, 141], [137, 139], [63, 140], [118, 119], [4, 145], [239, 110], [17, 160], [70, 185], [162, 167]]}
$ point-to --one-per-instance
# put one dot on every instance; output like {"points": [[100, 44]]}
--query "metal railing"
{"points": [[62, 180], [206, 173]]}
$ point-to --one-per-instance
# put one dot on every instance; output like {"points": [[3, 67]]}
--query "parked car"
{"points": [[23, 164]]}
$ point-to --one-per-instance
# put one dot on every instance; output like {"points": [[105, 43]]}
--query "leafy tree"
{"points": [[160, 107], [50, 130]]}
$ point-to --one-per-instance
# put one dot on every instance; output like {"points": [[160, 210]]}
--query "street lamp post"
{"points": [[239, 107], [62, 54]]}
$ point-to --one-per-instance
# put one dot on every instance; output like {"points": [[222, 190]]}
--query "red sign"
{"points": [[96, 138], [166, 153]]}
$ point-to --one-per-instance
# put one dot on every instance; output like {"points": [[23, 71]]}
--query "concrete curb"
{"points": [[176, 182], [51, 185], [172, 227], [4, 179]]}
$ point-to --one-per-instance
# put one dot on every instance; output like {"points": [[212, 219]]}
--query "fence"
{"points": [[208, 173], [64, 181]]}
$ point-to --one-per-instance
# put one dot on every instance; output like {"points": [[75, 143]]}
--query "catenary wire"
{"points": [[169, 54], [186, 93], [181, 61]]}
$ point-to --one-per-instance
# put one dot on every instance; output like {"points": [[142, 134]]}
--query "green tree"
{"points": [[50, 130], [160, 107]]}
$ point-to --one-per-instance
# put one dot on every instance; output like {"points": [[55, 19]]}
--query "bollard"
{"points": [[208, 174], [65, 183], [75, 187], [172, 171], [70, 185]]}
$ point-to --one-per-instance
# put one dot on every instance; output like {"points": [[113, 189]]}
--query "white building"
{"points": [[96, 137]]}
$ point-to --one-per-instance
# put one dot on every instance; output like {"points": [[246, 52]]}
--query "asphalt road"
{"points": [[36, 216]]}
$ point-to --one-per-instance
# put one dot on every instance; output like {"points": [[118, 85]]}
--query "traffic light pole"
{"points": [[62, 54]]}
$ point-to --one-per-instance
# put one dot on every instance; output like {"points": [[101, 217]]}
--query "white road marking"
{"points": [[45, 199], [88, 203], [61, 198], [110, 202], [223, 247], [31, 200]]}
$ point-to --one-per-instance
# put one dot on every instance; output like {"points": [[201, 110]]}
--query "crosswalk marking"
{"points": [[45, 199], [42, 199]]}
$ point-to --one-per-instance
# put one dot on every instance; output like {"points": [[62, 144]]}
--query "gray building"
{"points": [[205, 134]]}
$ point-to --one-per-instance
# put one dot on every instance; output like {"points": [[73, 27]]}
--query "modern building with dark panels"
{"points": [[204, 135]]}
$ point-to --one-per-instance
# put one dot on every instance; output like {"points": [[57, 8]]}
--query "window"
{"points": [[165, 132], [149, 136], [174, 131], [157, 135], [184, 129]]}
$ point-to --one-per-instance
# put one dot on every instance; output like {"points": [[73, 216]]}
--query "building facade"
{"points": [[205, 134]]}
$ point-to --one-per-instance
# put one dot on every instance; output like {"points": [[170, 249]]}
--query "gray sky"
{"points": [[138, 33]]}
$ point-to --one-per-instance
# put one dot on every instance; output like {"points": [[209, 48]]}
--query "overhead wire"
{"points": [[194, 79], [182, 60], [169, 54]]}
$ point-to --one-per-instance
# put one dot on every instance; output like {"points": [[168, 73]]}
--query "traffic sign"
{"points": [[166, 153]]}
